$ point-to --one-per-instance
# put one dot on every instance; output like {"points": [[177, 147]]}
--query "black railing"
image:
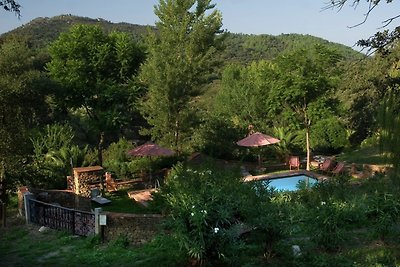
{"points": [[60, 218]]}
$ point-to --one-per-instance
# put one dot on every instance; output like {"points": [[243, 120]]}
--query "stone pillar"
{"points": [[97, 227], [21, 206], [27, 197]]}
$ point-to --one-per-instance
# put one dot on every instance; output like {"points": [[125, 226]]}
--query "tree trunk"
{"points": [[100, 148], [176, 136], [308, 147], [307, 124]]}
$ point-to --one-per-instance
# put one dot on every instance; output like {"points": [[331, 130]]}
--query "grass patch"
{"points": [[23, 245], [364, 155], [120, 202]]}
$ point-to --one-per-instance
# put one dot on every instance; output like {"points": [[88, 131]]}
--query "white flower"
{"points": [[192, 214], [216, 229], [204, 211], [193, 207], [323, 203]]}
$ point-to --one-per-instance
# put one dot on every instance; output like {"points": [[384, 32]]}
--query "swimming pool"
{"points": [[289, 183]]}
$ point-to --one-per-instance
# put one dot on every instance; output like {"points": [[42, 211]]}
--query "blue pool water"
{"points": [[289, 183]]}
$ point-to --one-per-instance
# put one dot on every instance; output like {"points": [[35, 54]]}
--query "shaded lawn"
{"points": [[24, 245], [120, 202], [365, 155]]}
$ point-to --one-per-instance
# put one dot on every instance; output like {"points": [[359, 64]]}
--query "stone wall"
{"points": [[136, 228]]}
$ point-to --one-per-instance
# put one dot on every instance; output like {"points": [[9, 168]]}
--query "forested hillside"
{"points": [[242, 48]]}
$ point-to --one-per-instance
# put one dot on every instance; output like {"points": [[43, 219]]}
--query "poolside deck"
{"points": [[319, 177]]}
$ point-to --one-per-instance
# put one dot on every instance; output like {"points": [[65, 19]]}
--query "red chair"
{"points": [[294, 162], [328, 165], [339, 169]]}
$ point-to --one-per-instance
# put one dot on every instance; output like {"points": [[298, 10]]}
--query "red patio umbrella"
{"points": [[150, 150], [257, 139]]}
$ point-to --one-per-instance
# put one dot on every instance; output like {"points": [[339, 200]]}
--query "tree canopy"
{"points": [[180, 55], [96, 71]]}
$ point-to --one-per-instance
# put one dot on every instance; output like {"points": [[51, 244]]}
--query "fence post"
{"points": [[28, 196], [97, 226]]}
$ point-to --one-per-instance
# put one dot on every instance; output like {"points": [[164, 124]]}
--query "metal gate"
{"points": [[60, 218]]}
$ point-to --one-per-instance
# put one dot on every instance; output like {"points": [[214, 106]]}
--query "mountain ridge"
{"points": [[239, 47]]}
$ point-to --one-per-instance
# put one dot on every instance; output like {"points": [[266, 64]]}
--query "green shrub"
{"points": [[55, 155], [117, 151], [329, 136], [164, 250], [327, 223], [270, 218], [123, 166], [383, 211], [206, 212]]}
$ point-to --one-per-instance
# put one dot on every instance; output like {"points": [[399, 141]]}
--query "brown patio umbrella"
{"points": [[257, 139]]}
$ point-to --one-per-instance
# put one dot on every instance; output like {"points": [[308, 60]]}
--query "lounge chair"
{"points": [[328, 165], [339, 169], [294, 162]]}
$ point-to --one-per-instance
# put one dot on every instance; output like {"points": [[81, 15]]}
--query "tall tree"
{"points": [[361, 89], [244, 95], [305, 79], [180, 53], [97, 71], [389, 119], [389, 115], [22, 103]]}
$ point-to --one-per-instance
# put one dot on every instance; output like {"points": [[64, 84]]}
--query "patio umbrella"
{"points": [[257, 139], [150, 150]]}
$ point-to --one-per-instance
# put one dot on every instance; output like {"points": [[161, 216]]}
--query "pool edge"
{"points": [[319, 177]]}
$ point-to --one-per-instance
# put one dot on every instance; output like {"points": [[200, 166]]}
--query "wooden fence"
{"points": [[60, 218]]}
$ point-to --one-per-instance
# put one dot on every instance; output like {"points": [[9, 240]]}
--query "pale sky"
{"points": [[239, 16]]}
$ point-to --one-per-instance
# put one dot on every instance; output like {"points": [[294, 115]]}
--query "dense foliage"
{"points": [[314, 95], [85, 98], [96, 71]]}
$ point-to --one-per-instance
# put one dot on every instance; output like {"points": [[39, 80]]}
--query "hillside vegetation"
{"points": [[241, 48]]}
